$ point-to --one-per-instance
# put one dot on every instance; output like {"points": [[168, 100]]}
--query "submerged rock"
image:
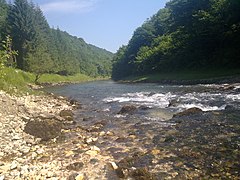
{"points": [[230, 107], [128, 109], [188, 112], [173, 103], [46, 130], [134, 167], [75, 103], [67, 115], [204, 145]]}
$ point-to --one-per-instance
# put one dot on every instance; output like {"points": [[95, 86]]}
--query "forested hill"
{"points": [[185, 35], [42, 49]]}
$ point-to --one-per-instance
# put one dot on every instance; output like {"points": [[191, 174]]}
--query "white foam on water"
{"points": [[237, 87], [120, 116], [233, 97], [201, 106], [201, 96], [143, 98], [203, 100], [106, 110]]}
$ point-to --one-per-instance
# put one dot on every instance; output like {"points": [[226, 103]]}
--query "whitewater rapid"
{"points": [[180, 101]]}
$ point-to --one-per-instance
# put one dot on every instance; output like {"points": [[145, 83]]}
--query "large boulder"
{"points": [[45, 129]]}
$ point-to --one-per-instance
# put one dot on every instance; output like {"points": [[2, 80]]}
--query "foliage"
{"points": [[3, 16], [42, 49], [7, 55], [185, 35], [15, 81]]}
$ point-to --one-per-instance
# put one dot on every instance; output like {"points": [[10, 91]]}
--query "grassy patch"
{"points": [[55, 78], [15, 81], [186, 75]]}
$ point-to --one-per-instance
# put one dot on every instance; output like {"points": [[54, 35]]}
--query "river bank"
{"points": [[18, 148], [33, 129], [52, 137], [188, 77]]}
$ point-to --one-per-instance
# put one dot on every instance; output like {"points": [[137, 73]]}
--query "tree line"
{"points": [[184, 35], [42, 49]]}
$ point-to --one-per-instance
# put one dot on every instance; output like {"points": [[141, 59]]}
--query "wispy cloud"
{"points": [[69, 6]]}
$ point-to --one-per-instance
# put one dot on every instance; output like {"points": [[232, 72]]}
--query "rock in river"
{"points": [[128, 109], [67, 115], [187, 112]]}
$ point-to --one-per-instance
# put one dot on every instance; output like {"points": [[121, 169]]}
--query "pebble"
{"points": [[13, 165], [25, 149], [102, 133], [114, 165], [24, 169], [91, 140], [79, 177], [5, 168], [92, 152], [109, 133], [40, 151]]}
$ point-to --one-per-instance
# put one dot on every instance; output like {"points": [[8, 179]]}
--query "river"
{"points": [[154, 139], [109, 97]]}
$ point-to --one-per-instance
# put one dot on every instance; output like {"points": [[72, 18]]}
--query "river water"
{"points": [[205, 145], [109, 97]]}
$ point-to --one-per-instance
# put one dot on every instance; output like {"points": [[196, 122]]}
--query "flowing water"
{"points": [[167, 147], [109, 97]]}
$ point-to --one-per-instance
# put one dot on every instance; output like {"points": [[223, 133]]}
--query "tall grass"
{"points": [[55, 78], [15, 80]]}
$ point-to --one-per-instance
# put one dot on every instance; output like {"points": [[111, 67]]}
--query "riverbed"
{"points": [[140, 126]]}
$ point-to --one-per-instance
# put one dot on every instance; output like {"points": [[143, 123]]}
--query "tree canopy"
{"points": [[42, 49], [186, 34]]}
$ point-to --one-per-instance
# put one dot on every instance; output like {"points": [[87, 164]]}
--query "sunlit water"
{"points": [[105, 98], [150, 129]]}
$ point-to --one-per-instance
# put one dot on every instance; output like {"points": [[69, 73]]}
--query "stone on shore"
{"points": [[46, 130]]}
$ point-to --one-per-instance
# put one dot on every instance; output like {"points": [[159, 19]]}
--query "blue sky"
{"points": [[105, 23]]}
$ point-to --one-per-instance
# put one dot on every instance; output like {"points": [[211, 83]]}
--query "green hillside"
{"points": [[186, 35], [42, 49]]}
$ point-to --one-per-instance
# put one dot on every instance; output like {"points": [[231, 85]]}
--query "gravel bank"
{"points": [[42, 155]]}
